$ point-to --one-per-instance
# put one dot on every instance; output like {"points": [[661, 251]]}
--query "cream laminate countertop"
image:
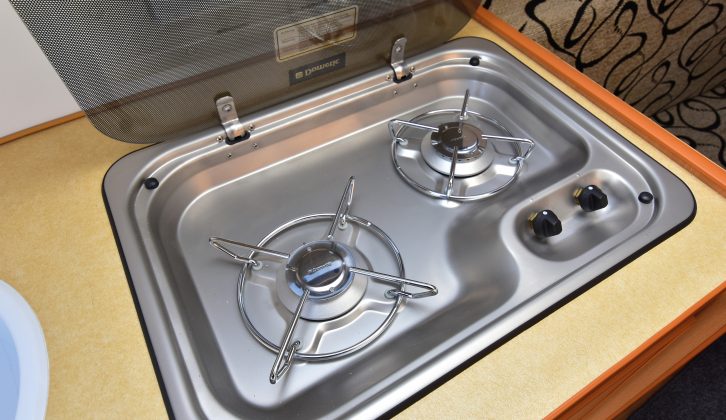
{"points": [[58, 250]]}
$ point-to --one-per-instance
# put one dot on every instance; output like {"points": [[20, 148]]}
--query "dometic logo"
{"points": [[332, 63], [320, 267], [318, 68]]}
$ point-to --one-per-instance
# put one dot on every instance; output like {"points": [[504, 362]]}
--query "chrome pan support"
{"points": [[287, 351], [395, 126]]}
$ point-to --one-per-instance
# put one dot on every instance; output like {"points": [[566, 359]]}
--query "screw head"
{"points": [[645, 197], [220, 138], [255, 145], [229, 155], [412, 68], [227, 108], [395, 92], [151, 183], [251, 127], [388, 77], [398, 49], [415, 85]]}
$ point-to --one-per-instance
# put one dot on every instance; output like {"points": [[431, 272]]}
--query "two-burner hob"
{"points": [[315, 270], [321, 280], [323, 302]]}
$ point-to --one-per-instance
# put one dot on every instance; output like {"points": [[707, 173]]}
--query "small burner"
{"points": [[472, 155], [322, 268], [477, 156], [461, 135]]}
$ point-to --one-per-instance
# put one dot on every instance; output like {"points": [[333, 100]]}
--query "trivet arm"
{"points": [[280, 368], [431, 290], [518, 140], [343, 208], [452, 171], [217, 243]]}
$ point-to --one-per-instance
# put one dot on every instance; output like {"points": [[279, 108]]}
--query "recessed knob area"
{"points": [[582, 231], [545, 224], [591, 198]]}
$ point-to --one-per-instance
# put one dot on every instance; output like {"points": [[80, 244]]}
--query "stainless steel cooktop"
{"points": [[370, 238]]}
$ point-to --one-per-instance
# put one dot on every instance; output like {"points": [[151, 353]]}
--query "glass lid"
{"points": [[146, 71]]}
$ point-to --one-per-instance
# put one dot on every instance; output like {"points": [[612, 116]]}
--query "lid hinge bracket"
{"points": [[400, 71], [233, 128]]}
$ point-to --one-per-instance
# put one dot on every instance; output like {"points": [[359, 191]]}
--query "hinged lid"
{"points": [[398, 54], [146, 71], [234, 129]]}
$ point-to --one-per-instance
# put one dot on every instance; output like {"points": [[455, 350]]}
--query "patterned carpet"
{"points": [[665, 58]]}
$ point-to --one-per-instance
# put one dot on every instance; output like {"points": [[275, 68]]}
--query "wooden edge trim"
{"points": [[638, 357], [638, 399], [705, 169], [41, 127]]}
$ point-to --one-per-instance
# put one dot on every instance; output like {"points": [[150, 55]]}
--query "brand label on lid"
{"points": [[316, 33], [318, 68]]}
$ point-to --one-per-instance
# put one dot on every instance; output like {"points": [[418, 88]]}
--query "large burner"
{"points": [[321, 284], [477, 155]]}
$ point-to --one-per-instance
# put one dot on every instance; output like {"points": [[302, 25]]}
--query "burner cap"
{"points": [[320, 267], [473, 154], [462, 135]]}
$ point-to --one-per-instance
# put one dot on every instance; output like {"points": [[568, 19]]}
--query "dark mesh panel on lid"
{"points": [[147, 71]]}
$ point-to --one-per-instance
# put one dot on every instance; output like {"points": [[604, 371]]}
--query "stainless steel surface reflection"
{"points": [[492, 275]]}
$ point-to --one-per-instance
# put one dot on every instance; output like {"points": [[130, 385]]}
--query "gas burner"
{"points": [[462, 146], [320, 286], [464, 140], [321, 268]]}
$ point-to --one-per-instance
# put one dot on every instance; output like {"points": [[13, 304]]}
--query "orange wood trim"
{"points": [[638, 399], [642, 370], [41, 127], [708, 171]]}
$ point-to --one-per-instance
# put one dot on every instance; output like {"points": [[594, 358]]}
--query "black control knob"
{"points": [[591, 198], [545, 224]]}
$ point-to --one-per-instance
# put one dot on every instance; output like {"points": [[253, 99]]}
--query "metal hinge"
{"points": [[234, 129], [400, 72]]}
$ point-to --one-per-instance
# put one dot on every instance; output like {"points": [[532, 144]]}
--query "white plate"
{"points": [[24, 371]]}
